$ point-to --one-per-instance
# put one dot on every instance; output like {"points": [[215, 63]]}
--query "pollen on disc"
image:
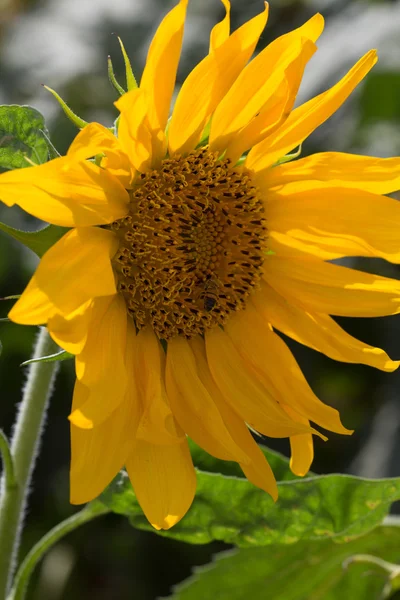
{"points": [[192, 246]]}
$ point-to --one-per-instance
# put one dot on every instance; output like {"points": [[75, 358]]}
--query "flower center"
{"points": [[192, 246]]}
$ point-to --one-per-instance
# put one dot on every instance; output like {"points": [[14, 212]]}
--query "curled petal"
{"points": [[66, 193]]}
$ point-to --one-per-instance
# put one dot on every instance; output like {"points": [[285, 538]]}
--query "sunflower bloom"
{"points": [[188, 246]]}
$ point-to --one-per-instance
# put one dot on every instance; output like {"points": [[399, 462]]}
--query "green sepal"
{"points": [[13, 297], [288, 157], [205, 135], [37, 241], [77, 121], [62, 355], [112, 78], [131, 82], [23, 137]]}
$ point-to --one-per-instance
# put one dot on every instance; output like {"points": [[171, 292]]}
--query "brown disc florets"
{"points": [[192, 246]]}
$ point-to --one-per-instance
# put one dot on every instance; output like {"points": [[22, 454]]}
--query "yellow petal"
{"points": [[276, 108], [133, 132], [379, 175], [164, 481], [256, 468], [242, 389], [220, 31], [158, 79], [74, 270], [157, 425], [71, 332], [34, 306], [277, 368], [307, 117], [327, 288], [301, 447], [98, 454], [101, 365], [195, 409], [317, 330], [208, 83], [333, 222], [250, 93], [66, 193], [96, 139]]}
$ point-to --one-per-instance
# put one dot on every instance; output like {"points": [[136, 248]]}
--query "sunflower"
{"points": [[191, 240]]}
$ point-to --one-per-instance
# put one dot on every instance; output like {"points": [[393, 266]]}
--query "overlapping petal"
{"points": [[242, 390], [70, 332], [277, 106], [193, 405], [250, 94], [158, 424], [133, 131], [158, 79], [67, 193], [101, 367], [98, 454], [368, 173], [220, 32], [208, 83], [317, 330], [326, 288], [256, 468], [332, 221], [307, 117], [95, 139], [276, 367], [76, 269]]}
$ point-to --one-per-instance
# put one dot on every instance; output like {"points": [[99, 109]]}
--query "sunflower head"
{"points": [[194, 237], [192, 245]]}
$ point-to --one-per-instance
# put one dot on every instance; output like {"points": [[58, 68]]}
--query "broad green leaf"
{"points": [[234, 511], [303, 571], [38, 241], [22, 135], [205, 462], [62, 355]]}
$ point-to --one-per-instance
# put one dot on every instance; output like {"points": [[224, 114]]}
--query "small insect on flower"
{"points": [[210, 295]]}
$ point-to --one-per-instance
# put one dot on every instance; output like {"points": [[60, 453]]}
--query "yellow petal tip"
{"points": [[78, 419]]}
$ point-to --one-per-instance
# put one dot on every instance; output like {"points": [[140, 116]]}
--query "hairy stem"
{"points": [[24, 448], [90, 512]]}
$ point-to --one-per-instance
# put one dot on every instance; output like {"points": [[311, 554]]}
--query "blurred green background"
{"points": [[64, 44]]}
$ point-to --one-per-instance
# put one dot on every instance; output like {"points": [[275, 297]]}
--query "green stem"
{"points": [[24, 448], [91, 511], [8, 464]]}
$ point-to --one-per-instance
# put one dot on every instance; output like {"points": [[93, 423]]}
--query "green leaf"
{"points": [[38, 241], [62, 355], [303, 571], [234, 511], [22, 135]]}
